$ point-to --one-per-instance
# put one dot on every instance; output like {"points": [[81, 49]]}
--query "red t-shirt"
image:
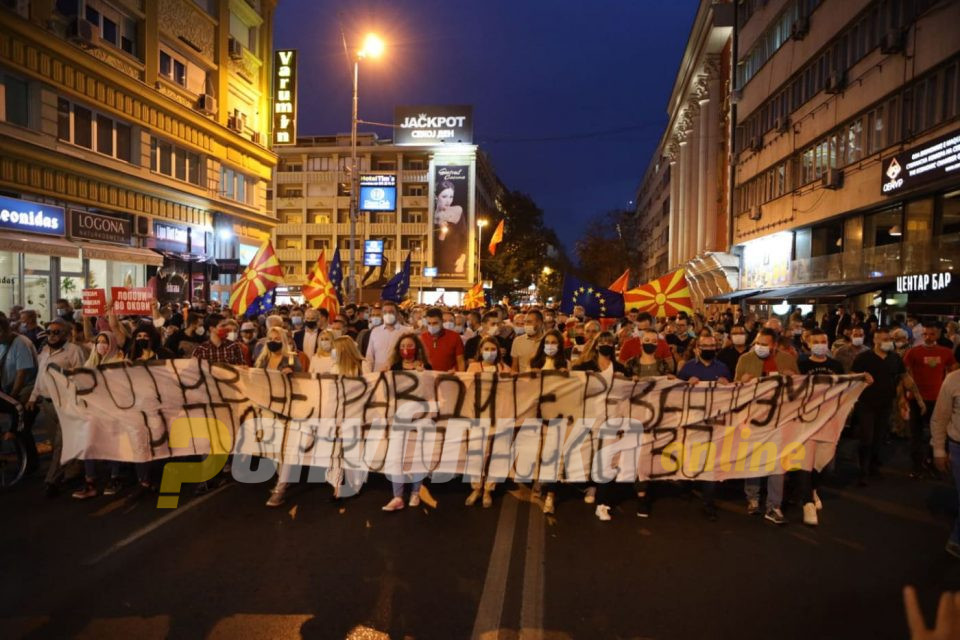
{"points": [[442, 349], [770, 364], [928, 367], [634, 347]]}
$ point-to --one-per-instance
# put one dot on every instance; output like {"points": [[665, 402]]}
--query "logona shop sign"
{"points": [[428, 124], [96, 226]]}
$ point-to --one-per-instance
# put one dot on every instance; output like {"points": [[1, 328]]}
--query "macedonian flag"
{"points": [[474, 297], [319, 290], [662, 297], [261, 275]]}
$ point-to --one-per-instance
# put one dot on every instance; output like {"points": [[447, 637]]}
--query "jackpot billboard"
{"points": [[378, 192], [451, 225], [433, 124]]}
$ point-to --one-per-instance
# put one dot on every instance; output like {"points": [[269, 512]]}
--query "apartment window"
{"points": [[320, 243], [173, 69], [412, 216], [175, 162], [386, 165], [235, 185], [854, 141], [14, 100], [318, 164], [97, 132], [415, 190], [415, 165], [243, 33], [411, 243], [113, 27]]}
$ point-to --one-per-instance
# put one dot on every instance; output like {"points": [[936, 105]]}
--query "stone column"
{"points": [[673, 155], [712, 118]]}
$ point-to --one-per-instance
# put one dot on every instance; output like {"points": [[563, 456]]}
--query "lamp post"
{"points": [[372, 48], [481, 223]]}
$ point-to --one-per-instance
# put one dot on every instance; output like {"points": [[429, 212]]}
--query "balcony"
{"points": [[288, 203], [415, 176], [290, 177], [382, 229], [414, 202], [321, 202], [289, 229], [888, 261], [343, 202], [414, 229], [290, 255]]}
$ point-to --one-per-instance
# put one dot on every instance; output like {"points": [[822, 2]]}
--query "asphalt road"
{"points": [[224, 566]]}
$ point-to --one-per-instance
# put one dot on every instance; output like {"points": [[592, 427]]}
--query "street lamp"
{"points": [[481, 223], [372, 48]]}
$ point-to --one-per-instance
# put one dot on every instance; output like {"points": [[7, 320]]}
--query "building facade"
{"points": [[682, 201], [311, 198], [847, 150], [133, 136]]}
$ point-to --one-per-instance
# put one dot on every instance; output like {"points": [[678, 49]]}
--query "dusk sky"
{"points": [[569, 96]]}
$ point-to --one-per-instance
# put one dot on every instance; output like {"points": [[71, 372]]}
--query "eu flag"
{"points": [[396, 289], [596, 301], [263, 304], [336, 274]]}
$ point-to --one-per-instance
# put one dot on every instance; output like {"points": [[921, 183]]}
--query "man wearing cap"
{"points": [[59, 350]]}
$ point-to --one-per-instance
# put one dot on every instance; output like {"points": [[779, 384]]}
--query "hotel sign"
{"points": [[936, 159], [432, 124], [285, 97]]}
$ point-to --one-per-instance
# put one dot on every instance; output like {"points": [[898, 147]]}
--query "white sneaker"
{"points": [[414, 500], [816, 501], [603, 513], [548, 504], [472, 498], [810, 514], [394, 505], [590, 496]]}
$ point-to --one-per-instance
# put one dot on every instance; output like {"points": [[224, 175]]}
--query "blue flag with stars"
{"points": [[335, 273], [597, 302], [263, 304], [396, 289]]}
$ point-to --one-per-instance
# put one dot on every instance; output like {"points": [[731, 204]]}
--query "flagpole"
{"points": [[353, 183]]}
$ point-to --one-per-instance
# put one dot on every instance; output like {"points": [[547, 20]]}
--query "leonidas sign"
{"points": [[938, 158], [430, 124]]}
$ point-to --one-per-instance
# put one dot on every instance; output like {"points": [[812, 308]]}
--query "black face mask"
{"points": [[274, 346], [579, 340], [310, 324], [143, 343], [606, 350], [708, 354], [649, 348]]}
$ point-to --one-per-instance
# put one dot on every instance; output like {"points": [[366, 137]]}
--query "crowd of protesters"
{"points": [[906, 362]]}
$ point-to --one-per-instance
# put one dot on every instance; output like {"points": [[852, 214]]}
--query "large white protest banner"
{"points": [[547, 426]]}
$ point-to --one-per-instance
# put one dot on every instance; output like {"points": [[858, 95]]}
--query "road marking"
{"points": [[531, 604], [494, 591], [156, 524]]}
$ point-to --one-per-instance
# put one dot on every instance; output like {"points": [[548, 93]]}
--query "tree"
{"points": [[607, 247], [527, 247]]}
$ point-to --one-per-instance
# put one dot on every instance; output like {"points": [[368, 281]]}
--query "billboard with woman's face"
{"points": [[451, 224]]}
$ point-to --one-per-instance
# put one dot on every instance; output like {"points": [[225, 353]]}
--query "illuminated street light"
{"points": [[372, 47], [481, 223]]}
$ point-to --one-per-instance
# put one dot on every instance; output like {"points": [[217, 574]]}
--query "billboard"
{"points": [[939, 158], [433, 124], [378, 192], [451, 224], [373, 246], [766, 261], [285, 96]]}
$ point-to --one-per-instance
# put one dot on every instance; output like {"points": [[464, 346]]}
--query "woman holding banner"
{"points": [[549, 357], [408, 355], [488, 360], [280, 355]]}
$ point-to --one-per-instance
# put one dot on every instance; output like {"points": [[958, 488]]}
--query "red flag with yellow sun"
{"points": [[474, 297], [319, 290], [663, 297], [261, 275]]}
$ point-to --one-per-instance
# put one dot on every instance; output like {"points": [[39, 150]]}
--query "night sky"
{"points": [[569, 96]]}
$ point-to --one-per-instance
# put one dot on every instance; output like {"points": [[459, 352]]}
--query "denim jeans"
{"points": [[398, 488], [774, 490], [954, 451]]}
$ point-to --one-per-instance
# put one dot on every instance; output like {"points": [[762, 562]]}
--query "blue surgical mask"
{"points": [[434, 329], [763, 352]]}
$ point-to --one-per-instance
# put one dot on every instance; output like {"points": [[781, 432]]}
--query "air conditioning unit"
{"points": [[755, 143], [782, 124], [207, 103], [81, 32], [255, 137], [832, 179], [836, 82], [800, 28], [892, 41], [141, 226], [736, 96], [755, 212], [234, 48], [236, 121]]}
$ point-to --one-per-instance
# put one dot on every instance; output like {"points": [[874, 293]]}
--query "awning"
{"points": [[122, 254], [733, 296], [43, 246], [185, 257], [812, 294]]}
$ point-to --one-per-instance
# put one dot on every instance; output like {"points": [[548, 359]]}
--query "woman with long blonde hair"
{"points": [[346, 359], [278, 353], [321, 361]]}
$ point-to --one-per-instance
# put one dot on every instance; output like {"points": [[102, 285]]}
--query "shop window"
{"points": [[950, 214], [14, 100], [919, 221], [9, 279], [882, 227]]}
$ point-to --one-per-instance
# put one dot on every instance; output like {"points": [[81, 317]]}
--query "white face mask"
{"points": [[550, 349], [820, 349], [200, 331], [449, 326], [492, 331], [886, 346], [296, 320], [739, 339], [389, 318], [530, 330], [489, 356], [376, 321], [333, 354], [857, 341], [232, 336], [325, 345], [763, 352], [336, 332]]}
